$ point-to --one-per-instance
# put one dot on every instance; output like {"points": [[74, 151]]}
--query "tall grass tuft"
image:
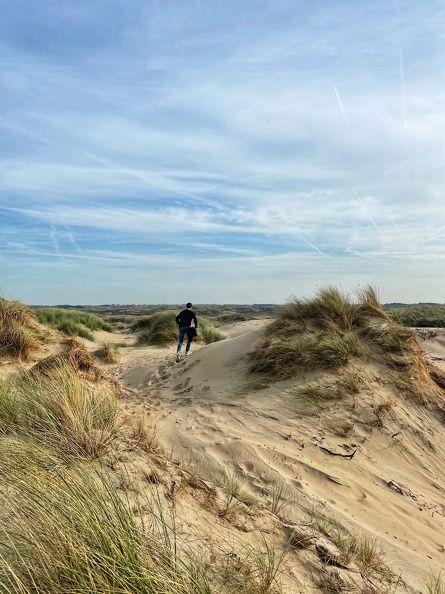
{"points": [[20, 333], [160, 329], [72, 322], [327, 332], [69, 531], [108, 352], [61, 410], [209, 333]]}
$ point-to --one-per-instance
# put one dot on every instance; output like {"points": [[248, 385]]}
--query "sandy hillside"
{"points": [[375, 466]]}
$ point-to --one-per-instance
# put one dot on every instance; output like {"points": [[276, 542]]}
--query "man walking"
{"points": [[184, 321]]}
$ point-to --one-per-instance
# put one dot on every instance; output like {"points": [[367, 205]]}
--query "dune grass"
{"points": [[69, 531], [327, 332], [108, 352], [160, 329], [20, 332], [419, 316], [72, 322], [61, 409]]}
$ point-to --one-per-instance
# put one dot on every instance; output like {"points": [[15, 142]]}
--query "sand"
{"points": [[209, 418]]}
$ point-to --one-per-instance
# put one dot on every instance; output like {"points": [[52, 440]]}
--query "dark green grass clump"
{"points": [[71, 322], [419, 316], [160, 329], [327, 332], [20, 333]]}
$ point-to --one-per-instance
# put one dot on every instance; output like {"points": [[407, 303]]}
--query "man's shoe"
{"points": [[188, 352]]}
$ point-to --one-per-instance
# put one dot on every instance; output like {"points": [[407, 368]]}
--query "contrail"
{"points": [[312, 245], [367, 212], [54, 240], [342, 109], [71, 239], [402, 69]]}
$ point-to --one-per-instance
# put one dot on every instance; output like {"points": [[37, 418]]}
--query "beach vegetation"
{"points": [[160, 329], [62, 409], [72, 322], [20, 332], [419, 316], [68, 530], [435, 583], [108, 352], [338, 333]]}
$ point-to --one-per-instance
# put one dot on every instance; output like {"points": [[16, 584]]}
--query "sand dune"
{"points": [[373, 464], [392, 487]]}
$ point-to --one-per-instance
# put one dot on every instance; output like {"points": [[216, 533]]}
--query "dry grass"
{"points": [[330, 332], [61, 410], [69, 531], [145, 433], [339, 426], [76, 358], [109, 353], [257, 571], [20, 333]]}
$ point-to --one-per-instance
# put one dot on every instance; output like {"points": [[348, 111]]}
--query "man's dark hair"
{"points": [[189, 305]]}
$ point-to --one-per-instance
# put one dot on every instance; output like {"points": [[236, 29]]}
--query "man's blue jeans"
{"points": [[182, 333]]}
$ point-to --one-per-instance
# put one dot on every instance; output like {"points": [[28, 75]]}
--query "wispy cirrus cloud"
{"points": [[280, 142]]}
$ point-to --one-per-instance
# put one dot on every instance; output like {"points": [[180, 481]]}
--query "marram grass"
{"points": [[326, 332], [20, 333], [160, 329], [67, 530], [60, 409]]}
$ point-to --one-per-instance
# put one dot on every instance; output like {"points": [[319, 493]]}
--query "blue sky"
{"points": [[219, 151]]}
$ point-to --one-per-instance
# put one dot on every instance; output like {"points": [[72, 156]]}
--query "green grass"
{"points": [[72, 322], [69, 531], [419, 316], [160, 329], [327, 332], [61, 409]]}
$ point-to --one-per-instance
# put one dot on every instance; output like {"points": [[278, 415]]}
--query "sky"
{"points": [[165, 151]]}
